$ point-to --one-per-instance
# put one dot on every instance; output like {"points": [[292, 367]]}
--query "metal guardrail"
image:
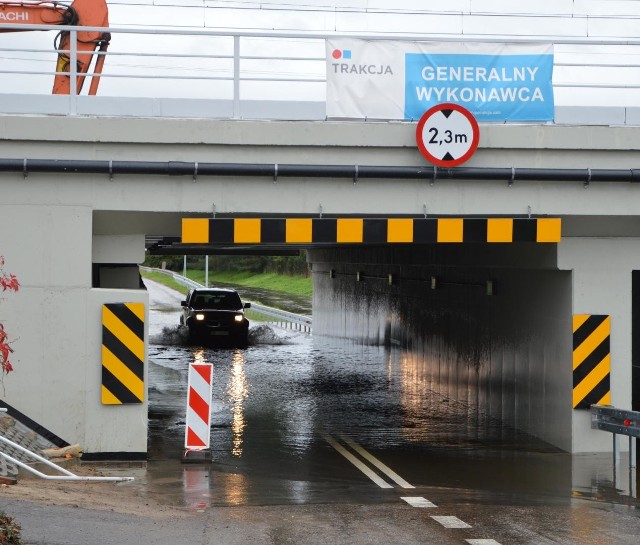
{"points": [[617, 422], [288, 320]]}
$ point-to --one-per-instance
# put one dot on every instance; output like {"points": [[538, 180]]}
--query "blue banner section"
{"points": [[492, 87]]}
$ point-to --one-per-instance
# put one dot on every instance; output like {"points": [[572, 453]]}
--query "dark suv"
{"points": [[215, 315]]}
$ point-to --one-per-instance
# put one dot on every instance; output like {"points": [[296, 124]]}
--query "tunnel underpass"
{"points": [[490, 327], [488, 324]]}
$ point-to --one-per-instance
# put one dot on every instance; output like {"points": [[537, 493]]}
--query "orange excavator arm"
{"points": [[90, 13]]}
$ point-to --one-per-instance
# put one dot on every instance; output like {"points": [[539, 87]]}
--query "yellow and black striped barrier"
{"points": [[122, 353], [591, 360], [368, 230]]}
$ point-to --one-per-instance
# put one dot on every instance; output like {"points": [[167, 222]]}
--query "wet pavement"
{"points": [[319, 441], [280, 407]]}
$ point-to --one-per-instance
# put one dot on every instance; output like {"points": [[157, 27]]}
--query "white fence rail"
{"points": [[286, 319], [66, 474], [224, 73]]}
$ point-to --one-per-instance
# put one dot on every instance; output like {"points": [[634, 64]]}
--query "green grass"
{"points": [[295, 285], [165, 280]]}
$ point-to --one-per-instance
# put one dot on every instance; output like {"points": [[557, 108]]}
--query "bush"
{"points": [[9, 531], [7, 282]]}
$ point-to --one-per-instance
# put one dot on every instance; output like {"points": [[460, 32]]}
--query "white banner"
{"points": [[402, 80]]}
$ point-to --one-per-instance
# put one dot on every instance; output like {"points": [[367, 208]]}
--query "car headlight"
{"points": [[238, 317], [199, 317]]}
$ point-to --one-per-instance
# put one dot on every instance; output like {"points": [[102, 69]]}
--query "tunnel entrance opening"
{"points": [[490, 326]]}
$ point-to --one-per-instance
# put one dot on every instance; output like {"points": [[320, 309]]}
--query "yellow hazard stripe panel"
{"points": [[246, 231], [349, 230], [500, 230], [122, 332], [549, 230], [591, 381], [400, 230], [108, 398], [593, 341], [450, 230], [591, 360], [118, 369], [123, 353], [299, 230], [195, 230], [310, 231]]}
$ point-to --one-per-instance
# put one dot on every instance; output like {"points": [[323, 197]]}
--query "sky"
{"points": [[594, 66]]}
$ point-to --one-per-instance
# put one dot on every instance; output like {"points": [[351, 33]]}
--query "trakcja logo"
{"points": [[353, 68]]}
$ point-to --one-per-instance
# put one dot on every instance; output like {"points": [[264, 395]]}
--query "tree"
{"points": [[7, 282]]}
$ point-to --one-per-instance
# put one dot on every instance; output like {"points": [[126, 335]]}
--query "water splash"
{"points": [[178, 335], [265, 334]]}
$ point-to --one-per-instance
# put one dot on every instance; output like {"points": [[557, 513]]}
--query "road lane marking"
{"points": [[450, 522], [418, 502], [377, 463], [482, 542], [368, 472]]}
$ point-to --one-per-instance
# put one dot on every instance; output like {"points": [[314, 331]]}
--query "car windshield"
{"points": [[216, 301]]}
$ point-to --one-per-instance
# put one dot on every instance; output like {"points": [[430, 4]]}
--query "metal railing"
{"points": [[66, 474], [617, 422], [288, 320], [239, 66]]}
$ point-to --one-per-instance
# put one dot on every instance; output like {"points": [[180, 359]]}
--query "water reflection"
{"points": [[238, 391], [195, 487], [234, 487]]}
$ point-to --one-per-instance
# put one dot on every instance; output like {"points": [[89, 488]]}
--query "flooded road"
{"points": [[304, 420]]}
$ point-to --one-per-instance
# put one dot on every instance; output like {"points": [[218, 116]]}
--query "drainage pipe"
{"points": [[354, 172]]}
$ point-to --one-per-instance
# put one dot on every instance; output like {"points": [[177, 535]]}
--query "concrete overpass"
{"points": [[491, 322]]}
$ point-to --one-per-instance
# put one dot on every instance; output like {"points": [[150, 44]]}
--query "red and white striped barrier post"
{"points": [[198, 424]]}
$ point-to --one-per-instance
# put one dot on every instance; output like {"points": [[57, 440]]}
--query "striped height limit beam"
{"points": [[369, 230]]}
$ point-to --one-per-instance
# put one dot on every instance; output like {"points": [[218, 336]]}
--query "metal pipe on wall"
{"points": [[427, 172]]}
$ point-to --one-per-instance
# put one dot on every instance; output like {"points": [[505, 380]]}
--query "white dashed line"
{"points": [[368, 472], [377, 463], [482, 542], [418, 501], [451, 522]]}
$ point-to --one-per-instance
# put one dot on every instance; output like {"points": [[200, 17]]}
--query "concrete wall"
{"points": [[508, 354], [602, 284], [303, 142], [56, 325], [118, 249]]}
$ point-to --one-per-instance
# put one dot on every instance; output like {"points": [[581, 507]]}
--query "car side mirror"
{"points": [[246, 305], [183, 303]]}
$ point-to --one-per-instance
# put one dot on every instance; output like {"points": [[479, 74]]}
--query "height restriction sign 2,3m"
{"points": [[447, 135]]}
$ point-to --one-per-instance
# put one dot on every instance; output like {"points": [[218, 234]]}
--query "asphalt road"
{"points": [[578, 523]]}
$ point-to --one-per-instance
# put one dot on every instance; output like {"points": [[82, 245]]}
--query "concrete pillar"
{"points": [[602, 281], [55, 321]]}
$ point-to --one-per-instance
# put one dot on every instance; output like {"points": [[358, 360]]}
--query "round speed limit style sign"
{"points": [[447, 135]]}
